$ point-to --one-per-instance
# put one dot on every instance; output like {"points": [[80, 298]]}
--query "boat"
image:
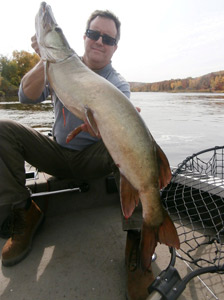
{"points": [[79, 251]]}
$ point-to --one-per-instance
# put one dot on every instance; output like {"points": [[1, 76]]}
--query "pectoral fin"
{"points": [[73, 134], [91, 121], [89, 118], [129, 197]]}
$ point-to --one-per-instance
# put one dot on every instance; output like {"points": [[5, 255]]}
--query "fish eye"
{"points": [[58, 29]]}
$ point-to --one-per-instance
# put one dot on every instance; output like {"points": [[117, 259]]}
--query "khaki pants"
{"points": [[19, 143]]}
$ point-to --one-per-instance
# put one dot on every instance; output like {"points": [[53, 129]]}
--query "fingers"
{"points": [[35, 45]]}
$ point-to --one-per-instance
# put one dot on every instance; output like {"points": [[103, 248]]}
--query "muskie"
{"points": [[143, 166]]}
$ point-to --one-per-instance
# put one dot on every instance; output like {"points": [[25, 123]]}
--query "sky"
{"points": [[160, 39]]}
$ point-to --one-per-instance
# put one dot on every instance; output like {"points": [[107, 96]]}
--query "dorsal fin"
{"points": [[91, 121], [164, 167]]}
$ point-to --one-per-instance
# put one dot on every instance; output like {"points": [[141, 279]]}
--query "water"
{"points": [[182, 124], [39, 116]]}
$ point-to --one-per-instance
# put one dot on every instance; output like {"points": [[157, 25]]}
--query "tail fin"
{"points": [[147, 245], [168, 233], [165, 234]]}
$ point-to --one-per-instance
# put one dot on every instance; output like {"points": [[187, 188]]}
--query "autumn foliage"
{"points": [[213, 82], [12, 70]]}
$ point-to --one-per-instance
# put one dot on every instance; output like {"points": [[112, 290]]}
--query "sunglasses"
{"points": [[106, 39]]}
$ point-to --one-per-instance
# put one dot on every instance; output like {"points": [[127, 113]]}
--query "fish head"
{"points": [[52, 43]]}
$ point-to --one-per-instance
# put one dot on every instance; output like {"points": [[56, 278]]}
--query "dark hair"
{"points": [[106, 14]]}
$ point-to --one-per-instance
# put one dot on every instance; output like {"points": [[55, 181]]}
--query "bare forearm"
{"points": [[33, 82]]}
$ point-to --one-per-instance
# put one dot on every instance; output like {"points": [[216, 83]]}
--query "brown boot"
{"points": [[24, 226], [137, 280]]}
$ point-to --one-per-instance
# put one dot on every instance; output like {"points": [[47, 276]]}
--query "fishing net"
{"points": [[195, 200]]}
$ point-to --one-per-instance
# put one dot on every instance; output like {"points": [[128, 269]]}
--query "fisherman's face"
{"points": [[97, 54]]}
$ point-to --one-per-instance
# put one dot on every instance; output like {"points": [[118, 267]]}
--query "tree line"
{"points": [[212, 82], [13, 69]]}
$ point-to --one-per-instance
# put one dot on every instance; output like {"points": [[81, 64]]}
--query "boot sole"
{"points": [[16, 260]]}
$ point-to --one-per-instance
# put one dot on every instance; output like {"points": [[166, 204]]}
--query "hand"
{"points": [[35, 45]]}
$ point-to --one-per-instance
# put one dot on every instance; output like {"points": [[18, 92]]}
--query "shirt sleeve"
{"points": [[117, 80], [124, 87], [25, 100]]}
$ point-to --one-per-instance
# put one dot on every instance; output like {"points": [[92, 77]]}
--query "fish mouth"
{"points": [[46, 17], [43, 5]]}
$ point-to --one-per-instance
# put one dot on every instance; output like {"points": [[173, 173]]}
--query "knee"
{"points": [[7, 126], [6, 123]]}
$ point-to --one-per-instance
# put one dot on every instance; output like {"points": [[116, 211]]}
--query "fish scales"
{"points": [[113, 116], [143, 166]]}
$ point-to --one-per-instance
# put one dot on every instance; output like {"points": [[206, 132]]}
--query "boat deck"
{"points": [[79, 253]]}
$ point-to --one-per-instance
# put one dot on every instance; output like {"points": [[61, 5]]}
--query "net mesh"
{"points": [[195, 200]]}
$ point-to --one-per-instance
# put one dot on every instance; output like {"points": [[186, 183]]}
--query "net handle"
{"points": [[169, 285]]}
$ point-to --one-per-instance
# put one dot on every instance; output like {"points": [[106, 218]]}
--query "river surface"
{"points": [[181, 123]]}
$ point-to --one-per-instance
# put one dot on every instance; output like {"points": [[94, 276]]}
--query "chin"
{"points": [[97, 58]]}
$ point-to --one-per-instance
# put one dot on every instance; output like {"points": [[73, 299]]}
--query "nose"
{"points": [[100, 40]]}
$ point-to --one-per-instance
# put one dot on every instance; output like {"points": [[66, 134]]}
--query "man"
{"points": [[85, 156]]}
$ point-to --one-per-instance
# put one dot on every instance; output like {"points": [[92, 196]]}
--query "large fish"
{"points": [[143, 166]]}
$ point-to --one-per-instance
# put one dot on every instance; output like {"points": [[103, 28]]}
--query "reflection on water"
{"points": [[182, 124], [45, 106]]}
